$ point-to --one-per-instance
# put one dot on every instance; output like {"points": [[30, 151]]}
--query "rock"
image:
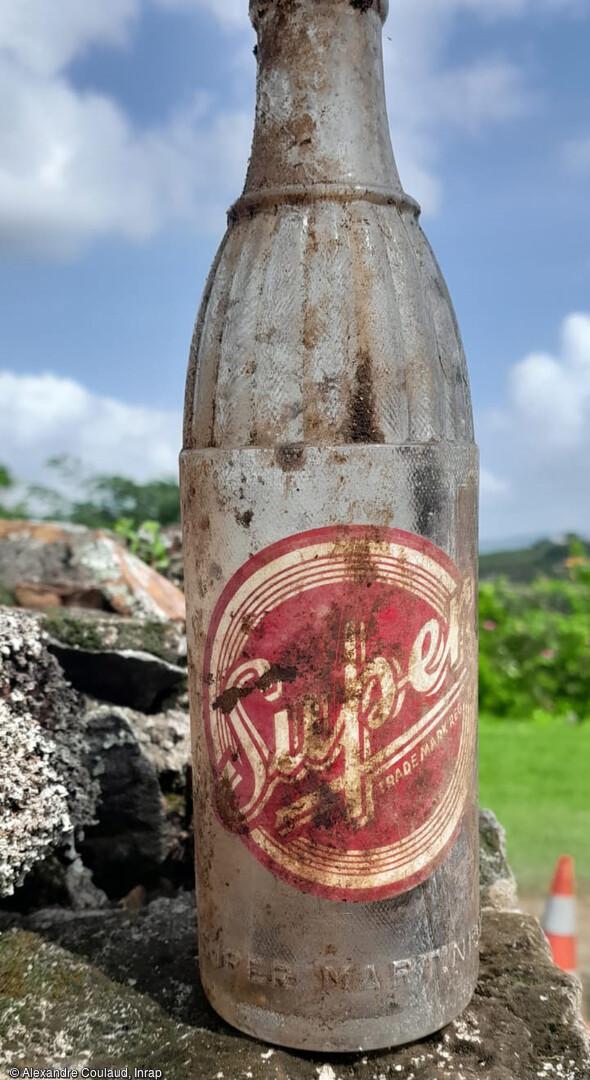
{"points": [[7, 598], [61, 880], [58, 1010], [127, 677], [100, 631], [165, 739], [134, 662], [48, 565], [142, 765], [138, 757], [81, 891], [496, 880], [135, 900], [39, 597], [46, 791], [114, 989]]}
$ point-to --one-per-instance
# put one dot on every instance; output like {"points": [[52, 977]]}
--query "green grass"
{"points": [[536, 777]]}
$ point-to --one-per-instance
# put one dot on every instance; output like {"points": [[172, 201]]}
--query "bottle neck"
{"points": [[321, 117]]}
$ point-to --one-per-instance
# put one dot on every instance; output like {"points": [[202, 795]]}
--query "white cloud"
{"points": [[44, 37], [46, 415], [73, 165], [538, 442], [551, 394], [430, 97]]}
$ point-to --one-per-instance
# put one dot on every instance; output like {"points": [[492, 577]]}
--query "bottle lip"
{"points": [[258, 7]]}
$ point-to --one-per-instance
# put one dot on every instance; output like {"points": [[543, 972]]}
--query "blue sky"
{"points": [[124, 134]]}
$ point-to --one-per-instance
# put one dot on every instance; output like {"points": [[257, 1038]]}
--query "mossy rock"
{"points": [[55, 1007], [98, 632]]}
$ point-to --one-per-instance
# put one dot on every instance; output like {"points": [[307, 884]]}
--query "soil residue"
{"points": [[331, 810], [245, 519], [228, 807], [362, 426], [290, 458], [230, 697]]}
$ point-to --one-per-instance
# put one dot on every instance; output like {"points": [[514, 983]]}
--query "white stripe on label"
{"points": [[560, 916]]}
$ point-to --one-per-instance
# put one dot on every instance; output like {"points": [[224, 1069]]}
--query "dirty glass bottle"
{"points": [[329, 485]]}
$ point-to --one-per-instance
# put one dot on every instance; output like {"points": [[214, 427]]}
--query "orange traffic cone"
{"points": [[559, 919]]}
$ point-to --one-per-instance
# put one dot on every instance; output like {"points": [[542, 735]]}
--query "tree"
{"points": [[103, 500], [111, 498]]}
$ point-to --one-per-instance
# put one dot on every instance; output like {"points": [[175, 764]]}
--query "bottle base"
{"points": [[341, 1036]]}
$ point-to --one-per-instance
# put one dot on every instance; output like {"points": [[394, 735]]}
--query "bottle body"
{"points": [[329, 485], [280, 958]]}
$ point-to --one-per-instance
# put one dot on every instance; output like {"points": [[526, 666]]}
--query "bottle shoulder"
{"points": [[326, 323]]}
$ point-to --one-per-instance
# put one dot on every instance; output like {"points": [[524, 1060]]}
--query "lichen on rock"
{"points": [[46, 791]]}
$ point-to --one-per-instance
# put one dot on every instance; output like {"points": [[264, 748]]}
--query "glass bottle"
{"points": [[329, 483]]}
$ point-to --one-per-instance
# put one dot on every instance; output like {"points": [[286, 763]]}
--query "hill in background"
{"points": [[545, 557]]}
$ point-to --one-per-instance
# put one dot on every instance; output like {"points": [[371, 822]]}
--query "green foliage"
{"points": [[535, 645], [145, 541]]}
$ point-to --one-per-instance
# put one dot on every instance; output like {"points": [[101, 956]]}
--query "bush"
{"points": [[535, 646], [145, 541]]}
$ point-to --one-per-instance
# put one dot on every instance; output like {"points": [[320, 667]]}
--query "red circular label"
{"points": [[339, 708]]}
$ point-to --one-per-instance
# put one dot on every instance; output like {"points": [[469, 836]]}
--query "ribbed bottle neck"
{"points": [[321, 118]]}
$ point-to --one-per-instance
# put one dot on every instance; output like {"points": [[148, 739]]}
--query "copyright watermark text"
{"points": [[85, 1072]]}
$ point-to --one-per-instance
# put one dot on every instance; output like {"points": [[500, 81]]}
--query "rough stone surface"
{"points": [[141, 763], [139, 663], [138, 757], [47, 565], [497, 882], [115, 989], [46, 791], [124, 677]]}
